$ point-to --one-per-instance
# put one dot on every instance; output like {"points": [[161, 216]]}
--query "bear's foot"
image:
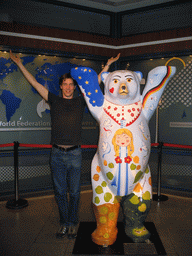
{"points": [[106, 216], [138, 235], [104, 236]]}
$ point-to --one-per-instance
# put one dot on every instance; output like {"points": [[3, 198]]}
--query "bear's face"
{"points": [[122, 87]]}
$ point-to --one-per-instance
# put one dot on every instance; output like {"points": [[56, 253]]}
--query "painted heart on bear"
{"points": [[111, 90]]}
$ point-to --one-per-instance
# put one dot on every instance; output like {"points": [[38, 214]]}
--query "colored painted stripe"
{"points": [[157, 88], [127, 179]]}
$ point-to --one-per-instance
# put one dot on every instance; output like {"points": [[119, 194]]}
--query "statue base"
{"points": [[122, 246]]}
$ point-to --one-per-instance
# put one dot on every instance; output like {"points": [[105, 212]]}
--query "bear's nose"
{"points": [[123, 89], [123, 85]]}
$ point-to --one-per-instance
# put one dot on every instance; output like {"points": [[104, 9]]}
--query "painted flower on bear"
{"points": [[128, 159], [118, 160]]}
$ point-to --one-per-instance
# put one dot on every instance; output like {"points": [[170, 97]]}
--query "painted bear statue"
{"points": [[120, 172]]}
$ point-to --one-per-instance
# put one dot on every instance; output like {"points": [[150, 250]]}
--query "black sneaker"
{"points": [[72, 232], [62, 232]]}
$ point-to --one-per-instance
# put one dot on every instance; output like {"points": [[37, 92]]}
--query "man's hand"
{"points": [[15, 58], [111, 60]]}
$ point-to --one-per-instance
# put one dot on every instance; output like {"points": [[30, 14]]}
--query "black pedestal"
{"points": [[15, 205], [123, 245], [160, 198]]}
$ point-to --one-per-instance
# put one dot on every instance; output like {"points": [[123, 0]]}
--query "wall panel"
{"points": [[56, 16], [151, 20]]}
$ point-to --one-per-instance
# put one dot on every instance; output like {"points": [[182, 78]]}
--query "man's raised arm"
{"points": [[106, 67], [29, 77]]}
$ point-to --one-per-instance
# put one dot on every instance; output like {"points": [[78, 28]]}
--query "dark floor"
{"points": [[31, 230]]}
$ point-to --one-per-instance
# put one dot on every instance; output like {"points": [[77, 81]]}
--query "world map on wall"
{"points": [[47, 71], [47, 74], [11, 102]]}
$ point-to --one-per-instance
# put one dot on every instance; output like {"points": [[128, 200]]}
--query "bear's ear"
{"points": [[104, 76], [139, 75]]}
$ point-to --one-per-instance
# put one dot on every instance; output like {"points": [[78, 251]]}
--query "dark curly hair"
{"points": [[66, 76]]}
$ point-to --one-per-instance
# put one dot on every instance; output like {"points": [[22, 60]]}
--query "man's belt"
{"points": [[65, 149]]}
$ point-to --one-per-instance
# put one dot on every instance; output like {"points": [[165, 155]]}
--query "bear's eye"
{"points": [[129, 80], [115, 81]]}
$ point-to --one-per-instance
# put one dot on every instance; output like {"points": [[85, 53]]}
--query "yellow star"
{"points": [[93, 101], [89, 93], [89, 70], [96, 91], [87, 82], [76, 68], [79, 77], [85, 70]]}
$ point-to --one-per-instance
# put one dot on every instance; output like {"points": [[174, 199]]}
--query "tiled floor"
{"points": [[31, 231]]}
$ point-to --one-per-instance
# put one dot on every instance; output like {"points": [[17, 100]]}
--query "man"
{"points": [[66, 156], [65, 160], [66, 119]]}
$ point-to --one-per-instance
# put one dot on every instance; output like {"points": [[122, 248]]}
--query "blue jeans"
{"points": [[66, 171]]}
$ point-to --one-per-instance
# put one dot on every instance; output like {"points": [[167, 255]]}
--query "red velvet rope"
{"points": [[176, 146], [90, 146], [35, 145], [154, 144], [7, 145]]}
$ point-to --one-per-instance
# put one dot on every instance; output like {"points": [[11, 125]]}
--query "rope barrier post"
{"points": [[16, 203], [159, 197]]}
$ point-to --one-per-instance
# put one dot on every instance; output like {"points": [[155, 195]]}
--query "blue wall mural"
{"points": [[24, 115]]}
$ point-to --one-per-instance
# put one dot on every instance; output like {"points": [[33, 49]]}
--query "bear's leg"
{"points": [[135, 212], [106, 217]]}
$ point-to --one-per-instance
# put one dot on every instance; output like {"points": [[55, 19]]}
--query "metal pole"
{"points": [[159, 197], [16, 203], [157, 125], [16, 146], [159, 170]]}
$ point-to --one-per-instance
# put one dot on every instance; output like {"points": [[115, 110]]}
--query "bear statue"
{"points": [[120, 172]]}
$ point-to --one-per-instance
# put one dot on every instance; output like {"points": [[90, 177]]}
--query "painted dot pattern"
{"points": [[100, 188]]}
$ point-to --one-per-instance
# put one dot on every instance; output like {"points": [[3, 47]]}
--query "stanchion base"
{"points": [[160, 198], [19, 204]]}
